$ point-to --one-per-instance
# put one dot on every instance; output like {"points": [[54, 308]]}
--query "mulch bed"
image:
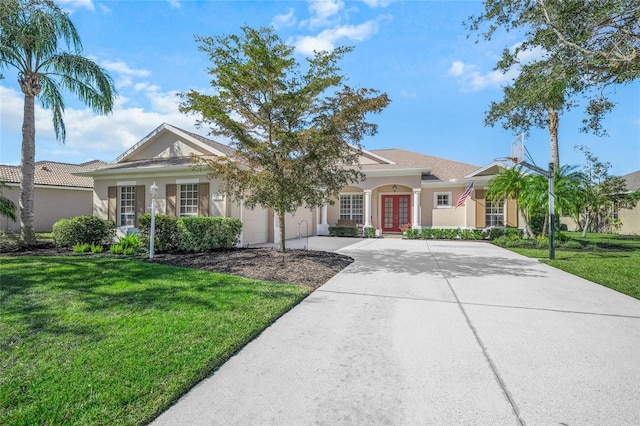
{"points": [[303, 267]]}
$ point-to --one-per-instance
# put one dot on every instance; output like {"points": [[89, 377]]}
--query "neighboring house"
{"points": [[400, 187], [630, 218], [59, 193]]}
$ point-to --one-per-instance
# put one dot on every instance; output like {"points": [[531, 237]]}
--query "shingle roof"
{"points": [[225, 149], [51, 173], [440, 168], [633, 181]]}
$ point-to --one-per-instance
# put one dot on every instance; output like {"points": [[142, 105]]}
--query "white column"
{"points": [[415, 217], [367, 208], [323, 228]]}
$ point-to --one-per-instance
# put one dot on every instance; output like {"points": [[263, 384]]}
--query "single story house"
{"points": [[630, 218], [59, 193], [401, 187]]}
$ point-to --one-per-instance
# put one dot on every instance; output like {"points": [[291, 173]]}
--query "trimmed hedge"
{"points": [[83, 230], [344, 231], [166, 233], [199, 234], [194, 234]]}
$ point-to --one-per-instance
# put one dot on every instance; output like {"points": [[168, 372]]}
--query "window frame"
{"points": [[344, 215], [494, 212], [192, 206], [127, 207], [442, 206]]}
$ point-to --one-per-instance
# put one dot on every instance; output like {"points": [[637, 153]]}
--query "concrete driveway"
{"points": [[437, 332]]}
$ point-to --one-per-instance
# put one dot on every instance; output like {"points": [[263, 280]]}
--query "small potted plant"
{"points": [[404, 228]]}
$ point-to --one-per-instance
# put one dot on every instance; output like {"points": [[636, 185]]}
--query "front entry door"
{"points": [[396, 212]]}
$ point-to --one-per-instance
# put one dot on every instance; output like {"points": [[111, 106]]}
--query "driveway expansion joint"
{"points": [[492, 365]]}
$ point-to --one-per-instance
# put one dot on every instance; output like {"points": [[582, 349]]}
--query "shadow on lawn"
{"points": [[37, 297]]}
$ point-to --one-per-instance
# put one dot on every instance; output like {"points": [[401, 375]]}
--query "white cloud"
{"points": [[377, 3], [90, 136], [327, 39], [124, 69], [284, 20], [174, 4], [408, 95], [471, 79], [322, 11], [77, 4]]}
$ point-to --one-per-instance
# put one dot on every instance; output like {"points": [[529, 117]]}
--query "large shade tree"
{"points": [[296, 130], [584, 46], [39, 40]]}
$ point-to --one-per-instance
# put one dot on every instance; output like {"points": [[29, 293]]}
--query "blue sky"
{"points": [[440, 82]]}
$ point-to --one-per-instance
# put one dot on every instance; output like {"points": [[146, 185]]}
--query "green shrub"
{"points": [[198, 234], [166, 232], [412, 234], [128, 251], [96, 248], [572, 244], [81, 248], [130, 240], [543, 242], [369, 232], [343, 231], [116, 249], [501, 241], [83, 229]]}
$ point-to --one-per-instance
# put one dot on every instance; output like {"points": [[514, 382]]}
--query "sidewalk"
{"points": [[437, 332]]}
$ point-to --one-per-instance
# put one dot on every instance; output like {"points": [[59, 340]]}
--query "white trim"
{"points": [[185, 181], [394, 172], [39, 185], [449, 194], [170, 128], [485, 168], [127, 183]]}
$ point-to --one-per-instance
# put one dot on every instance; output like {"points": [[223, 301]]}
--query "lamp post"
{"points": [[154, 195]]}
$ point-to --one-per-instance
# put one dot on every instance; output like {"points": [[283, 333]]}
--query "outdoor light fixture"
{"points": [[154, 194], [395, 188]]}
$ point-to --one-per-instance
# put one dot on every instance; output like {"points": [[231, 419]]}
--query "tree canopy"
{"points": [[584, 46], [296, 130], [31, 34]]}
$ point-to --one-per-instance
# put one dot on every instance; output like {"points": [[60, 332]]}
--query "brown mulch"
{"points": [[303, 267]]}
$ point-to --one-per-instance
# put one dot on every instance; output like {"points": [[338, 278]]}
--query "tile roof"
{"points": [[51, 173], [633, 180], [441, 168]]}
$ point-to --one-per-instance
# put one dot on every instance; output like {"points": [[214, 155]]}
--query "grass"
{"points": [[96, 340], [610, 260]]}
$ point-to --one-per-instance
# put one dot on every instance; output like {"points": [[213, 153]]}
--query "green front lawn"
{"points": [[95, 340], [609, 260]]}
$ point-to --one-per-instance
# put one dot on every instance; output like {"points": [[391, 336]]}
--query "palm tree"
{"points": [[30, 32], [569, 190], [512, 183]]}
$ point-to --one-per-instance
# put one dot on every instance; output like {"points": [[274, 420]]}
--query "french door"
{"points": [[395, 212]]}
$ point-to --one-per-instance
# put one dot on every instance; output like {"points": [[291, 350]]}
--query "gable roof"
{"points": [[433, 168], [633, 181], [208, 145], [51, 173]]}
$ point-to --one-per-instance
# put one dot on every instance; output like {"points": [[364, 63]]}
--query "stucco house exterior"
{"points": [[58, 194], [400, 187], [630, 218]]}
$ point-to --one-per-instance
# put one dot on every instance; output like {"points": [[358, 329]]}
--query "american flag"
{"points": [[464, 195]]}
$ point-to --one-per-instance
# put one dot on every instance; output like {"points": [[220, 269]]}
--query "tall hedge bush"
{"points": [[83, 230], [199, 234], [166, 233]]}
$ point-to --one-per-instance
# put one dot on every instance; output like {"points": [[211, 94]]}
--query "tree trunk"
{"points": [[28, 167], [553, 137], [282, 233]]}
